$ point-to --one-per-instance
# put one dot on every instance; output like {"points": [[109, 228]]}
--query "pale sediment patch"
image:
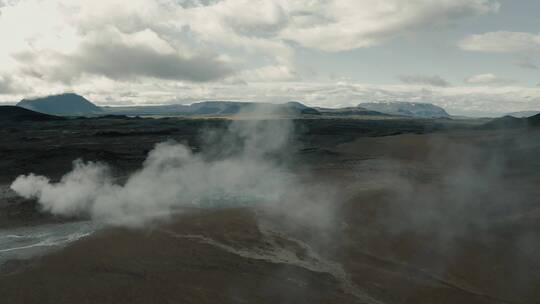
{"points": [[298, 254]]}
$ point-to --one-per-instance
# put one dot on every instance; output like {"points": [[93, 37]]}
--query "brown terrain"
{"points": [[423, 211]]}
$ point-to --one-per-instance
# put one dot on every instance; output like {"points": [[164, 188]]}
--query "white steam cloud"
{"points": [[172, 177]]}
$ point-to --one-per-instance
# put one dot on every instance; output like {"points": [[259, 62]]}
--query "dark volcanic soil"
{"points": [[13, 114], [429, 212]]}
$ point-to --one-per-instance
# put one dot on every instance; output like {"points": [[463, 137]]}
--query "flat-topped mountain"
{"points": [[413, 109], [16, 114], [68, 104]]}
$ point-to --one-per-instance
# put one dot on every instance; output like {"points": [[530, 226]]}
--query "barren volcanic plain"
{"points": [[382, 210]]}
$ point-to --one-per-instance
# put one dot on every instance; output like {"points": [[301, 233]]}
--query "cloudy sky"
{"points": [[476, 57]]}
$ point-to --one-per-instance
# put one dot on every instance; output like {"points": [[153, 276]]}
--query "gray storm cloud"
{"points": [[119, 61]]}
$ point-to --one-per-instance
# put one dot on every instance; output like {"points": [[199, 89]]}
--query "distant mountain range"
{"points": [[216, 108], [71, 104], [413, 109]]}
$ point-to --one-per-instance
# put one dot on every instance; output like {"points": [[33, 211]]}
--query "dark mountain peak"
{"points": [[296, 104], [69, 104], [296, 107]]}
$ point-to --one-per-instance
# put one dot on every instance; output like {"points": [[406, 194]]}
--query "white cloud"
{"points": [[251, 32], [6, 85], [488, 79], [62, 40], [11, 85], [502, 42], [345, 25], [272, 73]]}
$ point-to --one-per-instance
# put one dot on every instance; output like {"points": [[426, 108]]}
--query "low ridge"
{"points": [[16, 114]]}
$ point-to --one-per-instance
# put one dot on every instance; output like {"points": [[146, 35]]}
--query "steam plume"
{"points": [[240, 171]]}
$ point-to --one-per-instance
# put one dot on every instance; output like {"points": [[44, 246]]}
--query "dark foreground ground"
{"points": [[428, 212]]}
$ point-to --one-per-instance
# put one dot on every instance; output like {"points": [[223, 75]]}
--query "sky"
{"points": [[472, 57]]}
